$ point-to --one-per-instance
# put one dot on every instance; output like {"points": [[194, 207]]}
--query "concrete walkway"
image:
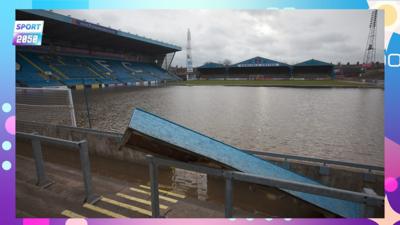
{"points": [[119, 199]]}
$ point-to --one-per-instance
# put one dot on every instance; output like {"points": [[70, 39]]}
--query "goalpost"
{"points": [[53, 105]]}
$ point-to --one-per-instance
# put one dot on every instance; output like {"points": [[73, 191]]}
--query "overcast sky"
{"points": [[289, 36]]}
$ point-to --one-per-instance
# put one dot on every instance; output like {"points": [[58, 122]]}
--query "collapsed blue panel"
{"points": [[199, 144]]}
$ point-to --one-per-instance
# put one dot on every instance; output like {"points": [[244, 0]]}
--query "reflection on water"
{"points": [[339, 124]]}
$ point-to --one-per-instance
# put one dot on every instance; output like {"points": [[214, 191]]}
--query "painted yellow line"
{"points": [[79, 87], [139, 200], [103, 211], [127, 206], [148, 193], [70, 214], [165, 192], [94, 72], [59, 72], [30, 62], [60, 61]]}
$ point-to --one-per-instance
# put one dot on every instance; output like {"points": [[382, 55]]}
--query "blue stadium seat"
{"points": [[30, 76], [74, 70]]}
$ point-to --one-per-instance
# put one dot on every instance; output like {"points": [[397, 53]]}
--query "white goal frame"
{"points": [[28, 92]]}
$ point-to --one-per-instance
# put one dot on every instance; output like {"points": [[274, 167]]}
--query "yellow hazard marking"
{"points": [[127, 206], [165, 192], [103, 211], [95, 72], [59, 72], [148, 193], [140, 200], [70, 214], [30, 62]]}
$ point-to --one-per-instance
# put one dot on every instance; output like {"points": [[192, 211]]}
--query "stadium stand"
{"points": [[72, 70], [251, 69], [313, 70], [76, 52], [32, 74], [259, 68], [212, 71]]}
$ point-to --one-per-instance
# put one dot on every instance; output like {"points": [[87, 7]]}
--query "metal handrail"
{"points": [[50, 140], [310, 188], [229, 176], [42, 179], [322, 161]]}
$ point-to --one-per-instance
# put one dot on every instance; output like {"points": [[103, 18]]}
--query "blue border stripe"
{"points": [[60, 4]]}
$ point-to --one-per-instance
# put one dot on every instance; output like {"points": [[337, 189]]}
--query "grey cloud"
{"points": [[290, 36]]}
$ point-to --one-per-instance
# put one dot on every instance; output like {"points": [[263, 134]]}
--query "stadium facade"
{"points": [[212, 70], [259, 68], [77, 53], [313, 69]]}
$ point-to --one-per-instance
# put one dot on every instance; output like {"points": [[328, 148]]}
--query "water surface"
{"points": [[330, 123]]}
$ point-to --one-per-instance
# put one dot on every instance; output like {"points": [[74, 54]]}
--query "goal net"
{"points": [[53, 105]]}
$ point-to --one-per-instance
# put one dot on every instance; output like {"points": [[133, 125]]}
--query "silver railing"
{"points": [[42, 179], [369, 200], [323, 162]]}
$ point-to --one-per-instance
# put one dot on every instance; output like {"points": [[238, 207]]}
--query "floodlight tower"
{"points": [[370, 49], [189, 65]]}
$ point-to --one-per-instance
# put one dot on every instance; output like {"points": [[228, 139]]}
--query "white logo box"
{"points": [[28, 26]]}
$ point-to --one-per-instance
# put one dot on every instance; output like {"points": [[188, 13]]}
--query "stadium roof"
{"points": [[313, 62], [65, 28], [211, 65], [259, 62]]}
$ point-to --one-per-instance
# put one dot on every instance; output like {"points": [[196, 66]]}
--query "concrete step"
{"points": [[64, 198]]}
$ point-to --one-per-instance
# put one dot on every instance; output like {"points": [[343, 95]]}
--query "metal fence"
{"points": [[324, 162], [42, 179], [367, 199]]}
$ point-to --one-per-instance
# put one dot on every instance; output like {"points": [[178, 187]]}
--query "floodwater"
{"points": [[343, 124]]}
